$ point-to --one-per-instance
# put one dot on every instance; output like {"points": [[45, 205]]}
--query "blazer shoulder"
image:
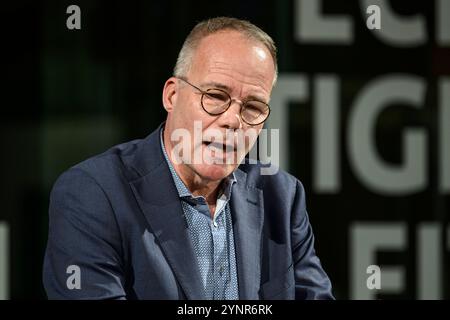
{"points": [[113, 162]]}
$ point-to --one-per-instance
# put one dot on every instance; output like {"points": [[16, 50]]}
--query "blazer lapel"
{"points": [[247, 209], [158, 199], [165, 217]]}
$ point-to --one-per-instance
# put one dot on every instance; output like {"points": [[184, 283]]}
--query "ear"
{"points": [[170, 94]]}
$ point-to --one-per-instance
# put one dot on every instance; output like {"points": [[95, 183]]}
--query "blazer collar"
{"points": [[158, 199], [247, 209]]}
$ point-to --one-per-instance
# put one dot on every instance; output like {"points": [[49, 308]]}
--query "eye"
{"points": [[214, 95], [254, 111], [256, 107], [253, 108]]}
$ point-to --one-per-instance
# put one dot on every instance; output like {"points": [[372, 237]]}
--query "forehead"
{"points": [[232, 57]]}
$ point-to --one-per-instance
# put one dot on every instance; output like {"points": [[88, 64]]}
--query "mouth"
{"points": [[220, 146]]}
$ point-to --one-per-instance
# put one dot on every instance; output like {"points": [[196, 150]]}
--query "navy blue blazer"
{"points": [[118, 218]]}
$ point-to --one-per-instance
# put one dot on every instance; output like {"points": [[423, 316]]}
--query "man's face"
{"points": [[244, 69]]}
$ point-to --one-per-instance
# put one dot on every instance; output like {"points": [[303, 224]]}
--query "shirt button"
{"points": [[215, 224]]}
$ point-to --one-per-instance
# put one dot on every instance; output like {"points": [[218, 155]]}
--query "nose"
{"points": [[231, 118]]}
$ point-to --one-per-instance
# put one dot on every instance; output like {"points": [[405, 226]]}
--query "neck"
{"points": [[198, 187]]}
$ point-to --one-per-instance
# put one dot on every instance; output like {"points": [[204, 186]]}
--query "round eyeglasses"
{"points": [[216, 101]]}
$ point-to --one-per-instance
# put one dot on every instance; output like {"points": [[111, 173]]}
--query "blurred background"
{"points": [[363, 114]]}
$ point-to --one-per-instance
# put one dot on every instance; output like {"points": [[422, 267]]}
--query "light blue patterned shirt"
{"points": [[212, 239]]}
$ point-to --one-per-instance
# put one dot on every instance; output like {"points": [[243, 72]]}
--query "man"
{"points": [[164, 219]]}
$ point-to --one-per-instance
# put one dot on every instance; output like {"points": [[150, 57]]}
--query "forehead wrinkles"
{"points": [[256, 81]]}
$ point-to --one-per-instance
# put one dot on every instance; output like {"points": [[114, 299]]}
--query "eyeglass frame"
{"points": [[231, 100]]}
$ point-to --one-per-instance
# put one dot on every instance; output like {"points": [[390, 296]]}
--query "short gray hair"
{"points": [[213, 25]]}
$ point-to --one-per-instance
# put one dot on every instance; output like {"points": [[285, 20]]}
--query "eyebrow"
{"points": [[216, 85], [222, 86]]}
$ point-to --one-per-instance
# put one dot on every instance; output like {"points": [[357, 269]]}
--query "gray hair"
{"points": [[210, 26]]}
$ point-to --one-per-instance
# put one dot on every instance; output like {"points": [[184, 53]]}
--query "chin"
{"points": [[214, 172]]}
